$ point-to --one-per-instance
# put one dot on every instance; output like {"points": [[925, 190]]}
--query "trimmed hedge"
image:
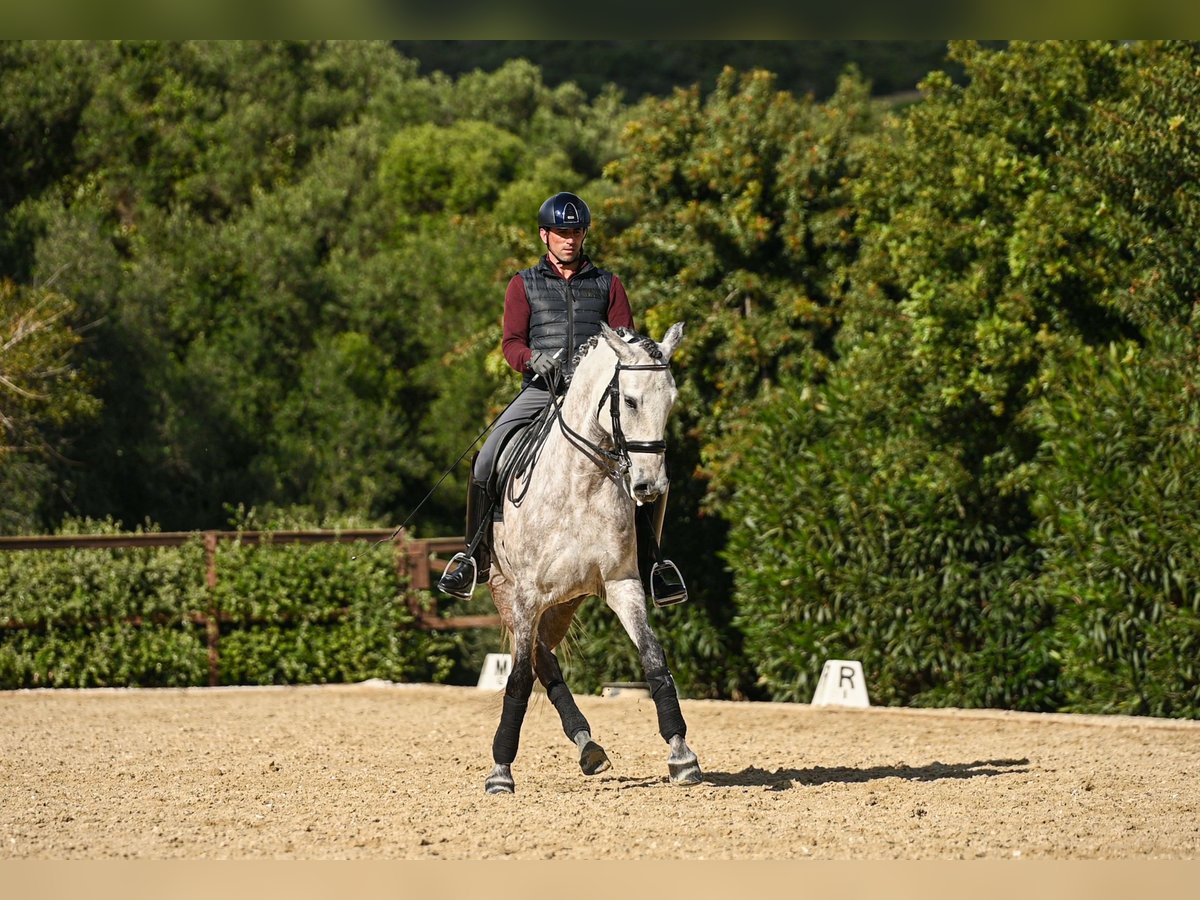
{"points": [[291, 614], [312, 614]]}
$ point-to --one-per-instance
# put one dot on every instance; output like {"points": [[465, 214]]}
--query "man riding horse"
{"points": [[550, 310]]}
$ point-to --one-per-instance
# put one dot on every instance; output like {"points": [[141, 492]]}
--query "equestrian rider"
{"points": [[550, 310]]}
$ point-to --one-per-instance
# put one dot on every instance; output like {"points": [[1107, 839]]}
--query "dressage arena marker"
{"points": [[494, 674], [842, 683]]}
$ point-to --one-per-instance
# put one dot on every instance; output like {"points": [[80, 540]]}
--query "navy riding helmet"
{"points": [[564, 210]]}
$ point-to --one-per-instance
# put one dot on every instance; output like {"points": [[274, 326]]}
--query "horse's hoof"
{"points": [[685, 769], [685, 773], [593, 760], [500, 781]]}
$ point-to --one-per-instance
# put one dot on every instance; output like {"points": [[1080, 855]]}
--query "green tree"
{"points": [[657, 67], [730, 214], [211, 184], [459, 167], [39, 383], [909, 544], [44, 89], [240, 218], [1114, 482], [462, 192], [42, 391], [1116, 501], [989, 496]]}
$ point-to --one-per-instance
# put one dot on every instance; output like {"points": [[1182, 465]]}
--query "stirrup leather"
{"points": [[666, 584]]}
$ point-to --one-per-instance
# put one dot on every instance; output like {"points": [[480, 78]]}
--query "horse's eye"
{"points": [[631, 403]]}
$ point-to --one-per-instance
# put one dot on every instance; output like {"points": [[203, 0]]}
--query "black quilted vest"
{"points": [[563, 314]]}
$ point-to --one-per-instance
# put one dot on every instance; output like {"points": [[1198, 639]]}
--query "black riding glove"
{"points": [[544, 364]]}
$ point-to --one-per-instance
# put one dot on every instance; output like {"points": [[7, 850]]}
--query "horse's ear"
{"points": [[673, 336], [623, 350]]}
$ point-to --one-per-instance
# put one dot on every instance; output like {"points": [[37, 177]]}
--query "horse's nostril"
{"points": [[644, 491]]}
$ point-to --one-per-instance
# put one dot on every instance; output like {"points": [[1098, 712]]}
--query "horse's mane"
{"points": [[628, 335]]}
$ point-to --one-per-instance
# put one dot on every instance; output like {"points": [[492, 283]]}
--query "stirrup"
{"points": [[463, 561], [666, 584]]}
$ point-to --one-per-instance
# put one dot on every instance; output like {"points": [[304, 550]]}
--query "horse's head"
{"points": [[633, 410]]}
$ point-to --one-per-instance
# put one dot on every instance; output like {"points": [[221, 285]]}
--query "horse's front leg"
{"points": [[516, 700], [627, 598], [551, 630]]}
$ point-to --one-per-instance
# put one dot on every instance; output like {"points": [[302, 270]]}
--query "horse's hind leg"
{"points": [[627, 599], [551, 630]]}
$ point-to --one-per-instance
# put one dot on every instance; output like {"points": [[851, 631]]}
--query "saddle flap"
{"points": [[517, 455], [507, 459]]}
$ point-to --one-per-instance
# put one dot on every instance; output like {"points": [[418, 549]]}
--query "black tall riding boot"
{"points": [[465, 569], [661, 577]]}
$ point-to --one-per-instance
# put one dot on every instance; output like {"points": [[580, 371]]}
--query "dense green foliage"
{"points": [[315, 614], [93, 617], [642, 68], [290, 614], [279, 250], [1116, 505], [42, 391], [936, 392], [732, 218], [937, 506]]}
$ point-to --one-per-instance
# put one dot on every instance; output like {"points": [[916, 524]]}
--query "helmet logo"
{"points": [[570, 214]]}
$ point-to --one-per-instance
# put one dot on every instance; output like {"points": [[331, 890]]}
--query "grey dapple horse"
{"points": [[571, 536]]}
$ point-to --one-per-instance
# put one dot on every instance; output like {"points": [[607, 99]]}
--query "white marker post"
{"points": [[842, 683], [494, 674]]}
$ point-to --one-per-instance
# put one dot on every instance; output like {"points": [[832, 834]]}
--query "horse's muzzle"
{"points": [[645, 492]]}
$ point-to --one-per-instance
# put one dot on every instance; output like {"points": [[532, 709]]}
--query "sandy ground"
{"points": [[382, 771]]}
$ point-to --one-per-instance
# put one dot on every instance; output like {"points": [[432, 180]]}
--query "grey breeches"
{"points": [[525, 408]]}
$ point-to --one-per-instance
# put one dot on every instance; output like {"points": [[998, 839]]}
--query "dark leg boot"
{"points": [[469, 568]]}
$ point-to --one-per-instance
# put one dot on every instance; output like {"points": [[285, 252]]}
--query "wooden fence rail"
{"points": [[416, 561]]}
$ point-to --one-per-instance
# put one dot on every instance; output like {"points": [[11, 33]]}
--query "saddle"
{"points": [[516, 455], [662, 577]]}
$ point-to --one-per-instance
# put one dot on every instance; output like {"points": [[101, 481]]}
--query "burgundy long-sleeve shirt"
{"points": [[516, 318]]}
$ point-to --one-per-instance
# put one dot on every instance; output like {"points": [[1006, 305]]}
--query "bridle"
{"points": [[616, 462]]}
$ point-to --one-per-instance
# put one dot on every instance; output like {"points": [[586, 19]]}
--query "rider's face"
{"points": [[564, 244]]}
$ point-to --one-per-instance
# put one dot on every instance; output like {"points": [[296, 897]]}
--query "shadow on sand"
{"points": [[783, 779]]}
